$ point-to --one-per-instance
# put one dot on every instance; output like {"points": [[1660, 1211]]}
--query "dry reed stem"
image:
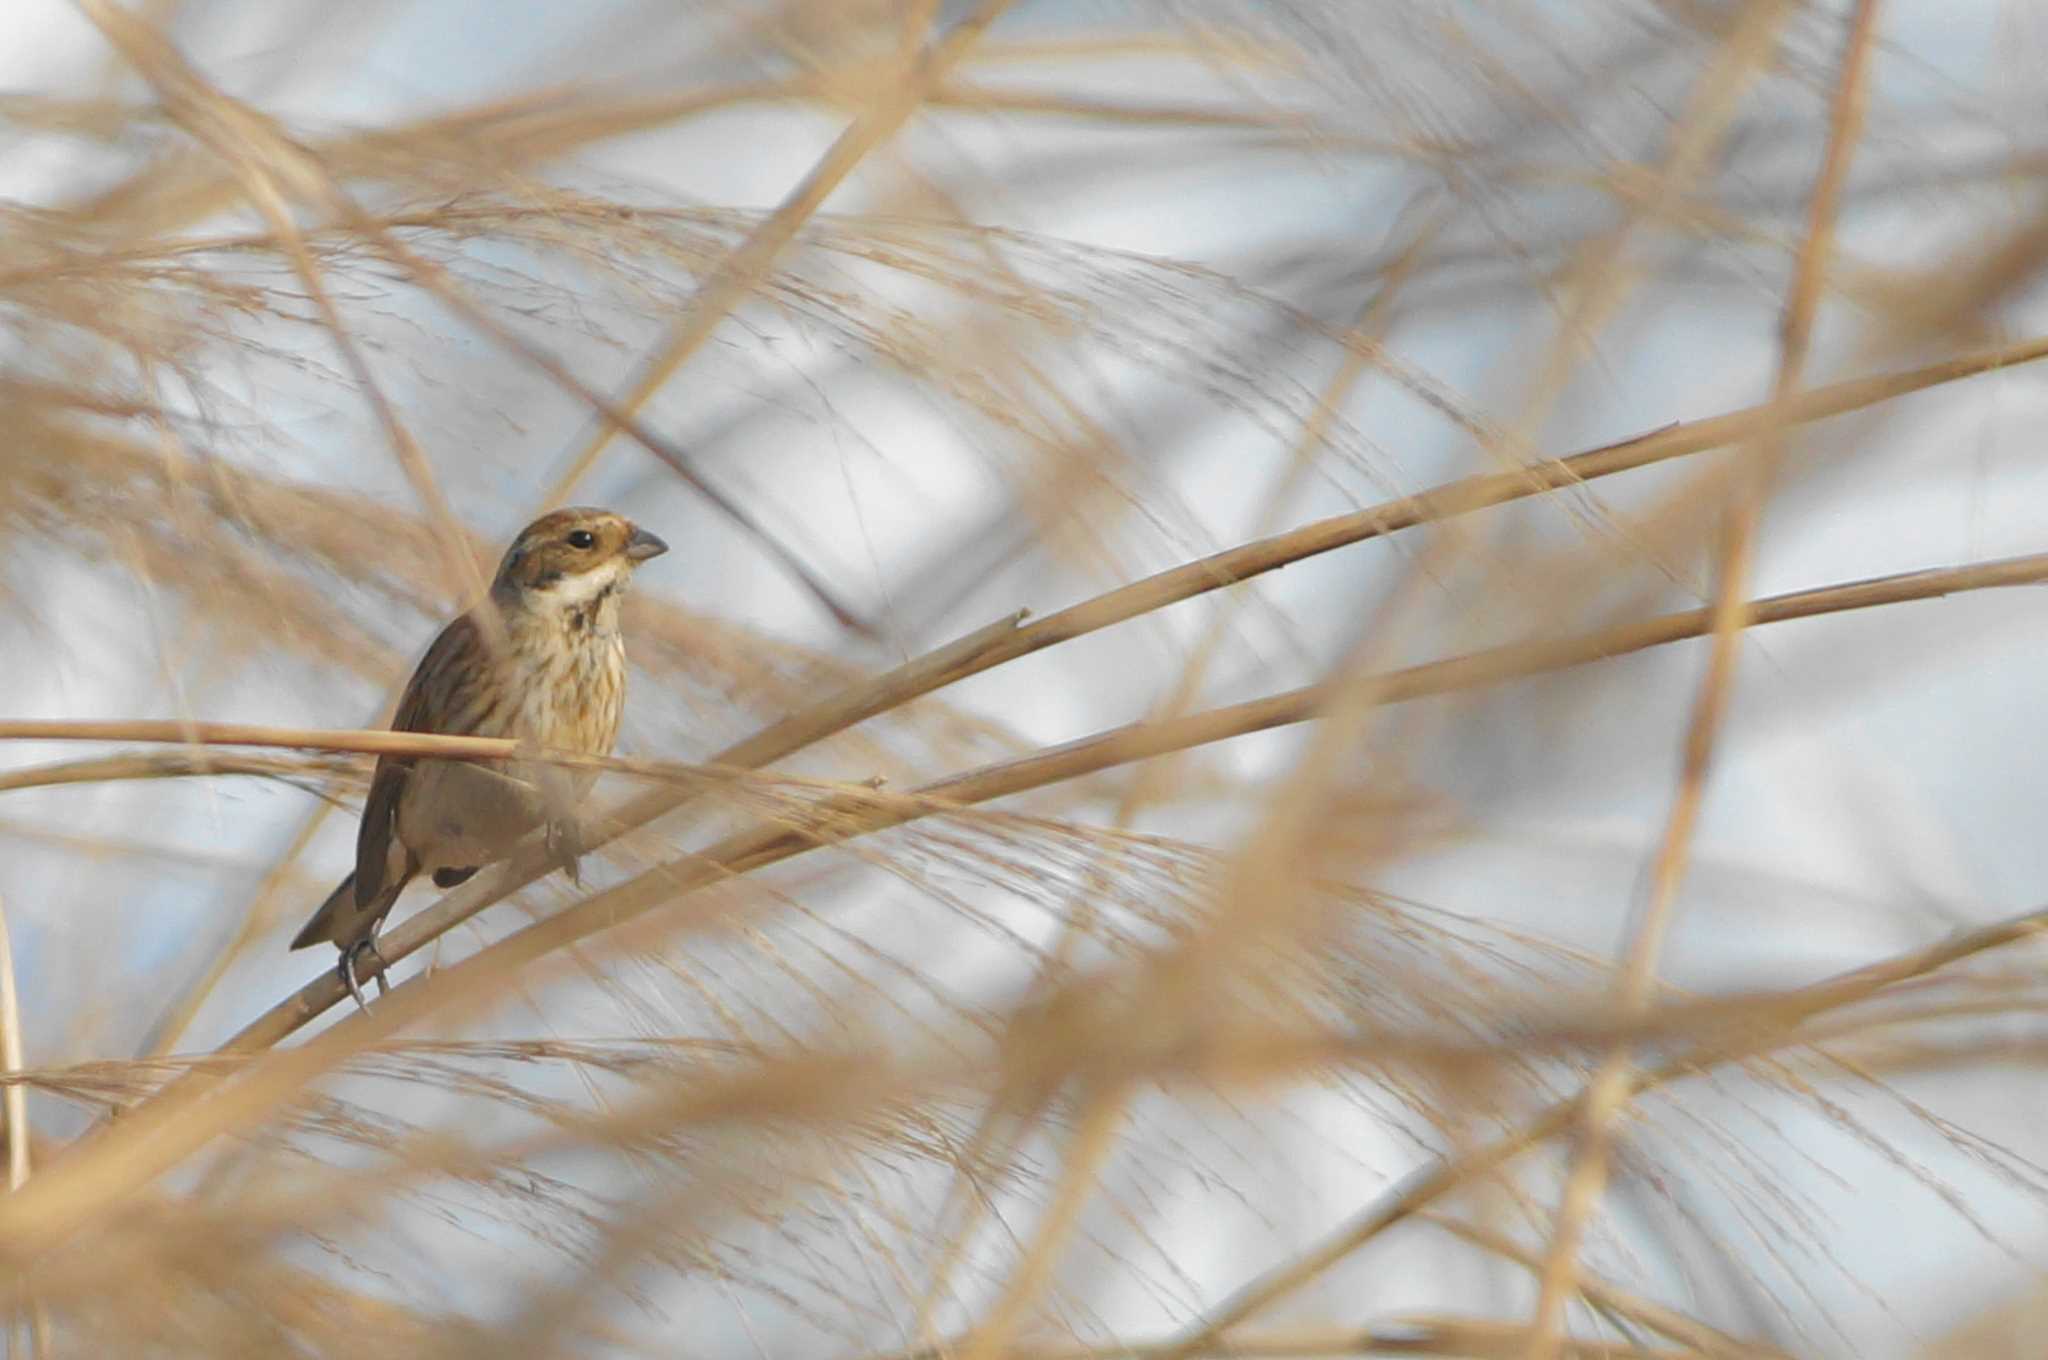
{"points": [[1754, 1028], [1467, 1339], [1484, 157], [1512, 476], [259, 154], [613, 416], [1005, 640], [10, 1063], [1139, 741], [1229, 1053], [537, 128], [1746, 1024], [1010, 1114], [1600, 278], [1087, 755], [1586, 1174], [266, 162], [170, 1028], [16, 1110], [1101, 1105], [1091, 1141], [435, 280], [162, 1132], [817, 1086], [362, 741], [161, 765], [14, 1104], [1691, 1333]]}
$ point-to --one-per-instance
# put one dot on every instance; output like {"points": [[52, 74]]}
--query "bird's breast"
{"points": [[575, 692], [562, 693]]}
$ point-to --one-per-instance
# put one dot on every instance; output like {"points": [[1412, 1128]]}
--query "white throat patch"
{"points": [[582, 588]]}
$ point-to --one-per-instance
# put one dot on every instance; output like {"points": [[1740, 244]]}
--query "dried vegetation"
{"points": [[1578, 907]]}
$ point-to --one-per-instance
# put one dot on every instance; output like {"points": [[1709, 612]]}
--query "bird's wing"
{"points": [[425, 707]]}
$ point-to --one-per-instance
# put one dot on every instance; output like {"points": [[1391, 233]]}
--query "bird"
{"points": [[542, 661]]}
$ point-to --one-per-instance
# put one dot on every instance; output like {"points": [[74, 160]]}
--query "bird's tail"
{"points": [[339, 907]]}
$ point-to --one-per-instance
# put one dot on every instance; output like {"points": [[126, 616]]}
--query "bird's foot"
{"points": [[565, 846], [365, 946]]}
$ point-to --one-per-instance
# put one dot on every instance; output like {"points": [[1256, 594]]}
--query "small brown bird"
{"points": [[551, 673]]}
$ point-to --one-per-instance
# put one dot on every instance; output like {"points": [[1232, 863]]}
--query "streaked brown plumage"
{"points": [[555, 676]]}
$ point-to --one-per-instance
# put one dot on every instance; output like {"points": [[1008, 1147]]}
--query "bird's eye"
{"points": [[582, 538]]}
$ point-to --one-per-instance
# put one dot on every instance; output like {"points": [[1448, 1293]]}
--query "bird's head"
{"points": [[573, 556]]}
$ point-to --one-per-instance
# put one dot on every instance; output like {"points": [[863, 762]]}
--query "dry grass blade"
{"points": [[1735, 565], [742, 271], [1672, 1325], [164, 765], [273, 171]]}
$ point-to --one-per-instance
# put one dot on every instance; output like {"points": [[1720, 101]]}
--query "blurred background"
{"points": [[1255, 1043]]}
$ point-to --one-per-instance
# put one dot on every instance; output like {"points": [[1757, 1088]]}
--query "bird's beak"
{"points": [[643, 545]]}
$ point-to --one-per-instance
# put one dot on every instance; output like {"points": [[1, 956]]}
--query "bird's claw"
{"points": [[366, 945], [565, 846]]}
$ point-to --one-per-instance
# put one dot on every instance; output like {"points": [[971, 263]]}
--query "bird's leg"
{"points": [[565, 845], [564, 832]]}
